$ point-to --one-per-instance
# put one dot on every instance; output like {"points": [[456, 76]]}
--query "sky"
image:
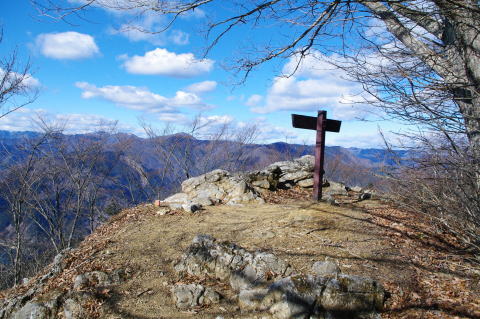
{"points": [[97, 71]]}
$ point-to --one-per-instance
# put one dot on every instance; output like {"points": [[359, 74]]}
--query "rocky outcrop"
{"points": [[284, 174], [193, 295], [264, 282], [229, 262], [222, 187], [39, 303], [215, 187]]}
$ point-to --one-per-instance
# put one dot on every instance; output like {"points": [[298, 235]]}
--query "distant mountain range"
{"points": [[71, 183], [144, 169]]}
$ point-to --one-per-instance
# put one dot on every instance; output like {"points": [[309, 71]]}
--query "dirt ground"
{"points": [[424, 274]]}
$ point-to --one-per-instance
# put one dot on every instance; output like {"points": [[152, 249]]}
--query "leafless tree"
{"points": [[202, 145], [17, 86], [15, 183], [55, 188], [418, 60], [431, 70]]}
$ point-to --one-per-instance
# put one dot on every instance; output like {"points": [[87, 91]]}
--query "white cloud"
{"points": [[315, 85], [173, 117], [142, 99], [179, 37], [360, 140], [28, 81], [196, 14], [254, 100], [202, 87], [67, 45], [215, 120], [26, 119], [162, 62]]}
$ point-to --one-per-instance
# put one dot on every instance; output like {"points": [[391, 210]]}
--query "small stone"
{"points": [[364, 196], [325, 268], [330, 200], [352, 294], [357, 189], [162, 212], [306, 183], [252, 299]]}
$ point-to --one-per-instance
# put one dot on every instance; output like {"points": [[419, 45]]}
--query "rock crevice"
{"points": [[264, 282]]}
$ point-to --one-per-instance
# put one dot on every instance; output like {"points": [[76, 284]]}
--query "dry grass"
{"points": [[424, 273]]}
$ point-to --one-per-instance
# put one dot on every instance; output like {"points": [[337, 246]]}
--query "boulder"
{"points": [[306, 183], [325, 268], [192, 295], [357, 189], [352, 294], [215, 187], [227, 261], [33, 310], [98, 279], [335, 188], [364, 196], [266, 283]]}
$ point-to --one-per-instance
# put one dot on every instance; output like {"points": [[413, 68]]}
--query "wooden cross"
{"points": [[321, 124]]}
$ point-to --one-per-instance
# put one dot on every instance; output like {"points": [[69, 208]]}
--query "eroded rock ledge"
{"points": [[221, 187], [264, 282]]}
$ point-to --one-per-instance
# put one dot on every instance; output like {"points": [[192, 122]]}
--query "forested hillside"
{"points": [[57, 188]]}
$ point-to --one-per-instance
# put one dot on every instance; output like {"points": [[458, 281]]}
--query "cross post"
{"points": [[321, 124]]}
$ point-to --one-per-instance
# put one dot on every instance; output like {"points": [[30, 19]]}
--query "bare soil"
{"points": [[425, 275]]}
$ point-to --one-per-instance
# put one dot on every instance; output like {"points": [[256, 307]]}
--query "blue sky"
{"points": [[89, 72]]}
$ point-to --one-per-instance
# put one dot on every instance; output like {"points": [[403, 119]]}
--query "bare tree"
{"points": [[55, 189], [15, 183], [17, 86], [433, 50]]}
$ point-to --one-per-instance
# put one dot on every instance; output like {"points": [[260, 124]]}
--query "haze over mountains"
{"points": [[75, 182]]}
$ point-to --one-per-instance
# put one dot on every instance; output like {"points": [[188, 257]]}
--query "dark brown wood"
{"points": [[310, 123], [319, 155], [321, 124]]}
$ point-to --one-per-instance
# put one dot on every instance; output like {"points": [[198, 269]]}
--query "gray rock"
{"points": [[364, 196], [295, 176], [330, 200], [191, 208], [325, 268], [73, 309], [357, 189], [265, 283], [227, 261], [264, 184], [352, 294], [98, 279], [335, 188], [252, 299], [192, 295], [306, 183], [176, 201], [33, 310], [290, 297]]}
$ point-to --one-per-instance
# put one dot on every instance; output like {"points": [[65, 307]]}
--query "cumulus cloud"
{"points": [[215, 120], [28, 81], [27, 119], [254, 100], [315, 85], [360, 140], [202, 87], [179, 37], [142, 99], [67, 45], [162, 62]]}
